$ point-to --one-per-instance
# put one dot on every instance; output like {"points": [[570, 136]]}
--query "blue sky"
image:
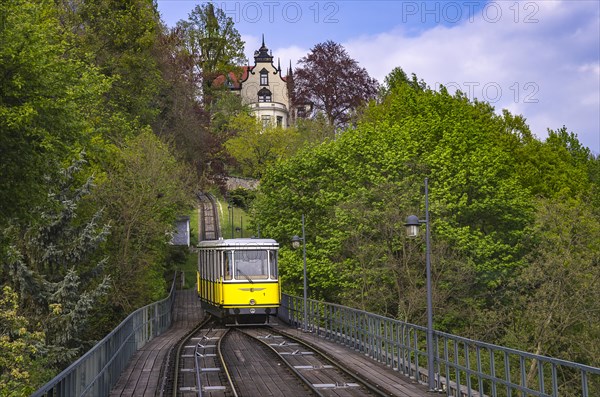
{"points": [[539, 58]]}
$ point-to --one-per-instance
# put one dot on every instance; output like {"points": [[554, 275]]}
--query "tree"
{"points": [[214, 44], [333, 82], [398, 77], [256, 147], [55, 266], [45, 102], [183, 120], [344, 186], [118, 38], [555, 310], [315, 130], [144, 192], [20, 372]]}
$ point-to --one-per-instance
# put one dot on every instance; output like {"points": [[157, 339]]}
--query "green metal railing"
{"points": [[462, 367], [97, 371]]}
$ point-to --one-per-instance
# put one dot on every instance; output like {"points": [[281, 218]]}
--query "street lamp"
{"points": [[412, 229], [296, 244], [230, 217]]}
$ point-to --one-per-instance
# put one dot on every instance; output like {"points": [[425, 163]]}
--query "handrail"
{"points": [[463, 367], [97, 371]]}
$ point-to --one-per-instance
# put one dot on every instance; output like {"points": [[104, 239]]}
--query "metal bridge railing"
{"points": [[463, 367], [97, 371]]}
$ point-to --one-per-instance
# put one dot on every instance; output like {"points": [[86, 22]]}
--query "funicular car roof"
{"points": [[239, 243]]}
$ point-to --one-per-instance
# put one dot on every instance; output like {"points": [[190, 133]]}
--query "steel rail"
{"points": [[177, 358], [298, 374], [224, 364], [362, 380], [208, 215]]}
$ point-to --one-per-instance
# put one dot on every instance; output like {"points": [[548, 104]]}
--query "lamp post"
{"points": [[412, 229], [230, 217], [295, 244]]}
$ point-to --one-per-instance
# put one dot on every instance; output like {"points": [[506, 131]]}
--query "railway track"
{"points": [[197, 367], [208, 218], [214, 360], [320, 374]]}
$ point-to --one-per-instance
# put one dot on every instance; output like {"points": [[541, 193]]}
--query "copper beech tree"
{"points": [[333, 83]]}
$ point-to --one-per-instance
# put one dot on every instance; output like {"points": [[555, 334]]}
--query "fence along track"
{"points": [[209, 217]]}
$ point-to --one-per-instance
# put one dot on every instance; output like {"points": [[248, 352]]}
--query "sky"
{"points": [[539, 59]]}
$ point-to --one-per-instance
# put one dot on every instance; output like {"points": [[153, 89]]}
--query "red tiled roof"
{"points": [[233, 78]]}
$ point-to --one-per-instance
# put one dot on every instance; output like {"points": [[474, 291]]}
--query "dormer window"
{"points": [[264, 77], [264, 95]]}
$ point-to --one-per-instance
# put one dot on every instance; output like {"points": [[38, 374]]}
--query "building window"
{"points": [[264, 95], [279, 121], [266, 120], [264, 77]]}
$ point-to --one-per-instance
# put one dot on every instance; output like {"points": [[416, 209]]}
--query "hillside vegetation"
{"points": [[515, 221], [109, 123]]}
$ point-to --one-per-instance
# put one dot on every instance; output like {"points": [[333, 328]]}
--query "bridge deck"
{"points": [[142, 376], [392, 381]]}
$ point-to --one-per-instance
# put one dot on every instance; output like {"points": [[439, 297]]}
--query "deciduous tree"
{"points": [[555, 310], [256, 147], [45, 100], [145, 190], [333, 82], [214, 44]]}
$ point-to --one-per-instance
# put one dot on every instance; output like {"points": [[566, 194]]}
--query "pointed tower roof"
{"points": [[262, 55]]}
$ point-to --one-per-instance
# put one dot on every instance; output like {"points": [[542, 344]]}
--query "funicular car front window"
{"points": [[251, 265]]}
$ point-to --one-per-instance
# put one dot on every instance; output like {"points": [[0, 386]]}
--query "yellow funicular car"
{"points": [[238, 280]]}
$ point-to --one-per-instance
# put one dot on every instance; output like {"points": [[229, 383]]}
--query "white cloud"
{"points": [[544, 70]]}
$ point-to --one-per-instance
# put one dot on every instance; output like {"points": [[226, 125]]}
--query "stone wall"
{"points": [[246, 183]]}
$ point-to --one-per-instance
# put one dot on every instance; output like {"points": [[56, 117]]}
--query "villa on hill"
{"points": [[265, 90]]}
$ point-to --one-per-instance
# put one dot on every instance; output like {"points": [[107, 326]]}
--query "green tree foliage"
{"points": [[242, 198], [195, 112], [19, 372], [477, 202], [214, 44], [84, 76], [315, 130], [145, 190], [256, 147], [398, 77], [503, 263], [54, 266], [557, 294], [44, 102], [118, 37], [559, 166]]}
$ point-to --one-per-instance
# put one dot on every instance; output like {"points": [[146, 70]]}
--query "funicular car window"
{"points": [[251, 265], [213, 264], [273, 263], [227, 261]]}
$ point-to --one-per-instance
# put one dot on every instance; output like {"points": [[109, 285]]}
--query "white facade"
{"points": [[264, 89]]}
